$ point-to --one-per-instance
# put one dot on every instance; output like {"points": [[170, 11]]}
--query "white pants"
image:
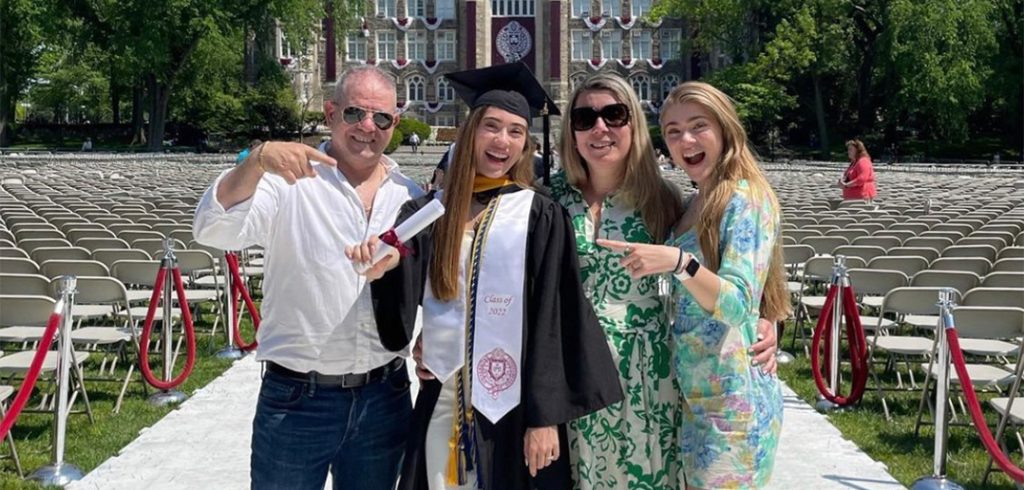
{"points": [[439, 432]]}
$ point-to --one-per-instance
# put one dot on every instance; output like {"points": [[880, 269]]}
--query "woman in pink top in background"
{"points": [[858, 181]]}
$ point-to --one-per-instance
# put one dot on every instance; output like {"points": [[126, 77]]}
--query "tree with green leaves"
{"points": [[158, 41], [20, 45]]}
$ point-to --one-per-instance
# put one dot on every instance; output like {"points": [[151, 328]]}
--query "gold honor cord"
{"points": [[459, 452]]}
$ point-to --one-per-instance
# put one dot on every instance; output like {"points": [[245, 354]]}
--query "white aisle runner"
{"points": [[204, 444]]}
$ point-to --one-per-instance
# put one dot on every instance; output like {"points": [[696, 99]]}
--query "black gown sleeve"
{"points": [[568, 368], [398, 293]]}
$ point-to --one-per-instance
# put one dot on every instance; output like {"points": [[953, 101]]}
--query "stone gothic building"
{"points": [[563, 42]]}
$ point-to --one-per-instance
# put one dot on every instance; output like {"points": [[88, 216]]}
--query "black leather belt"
{"points": [[352, 380]]}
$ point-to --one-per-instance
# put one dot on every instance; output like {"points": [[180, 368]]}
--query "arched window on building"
{"points": [[445, 92], [415, 88], [642, 86], [668, 82]]}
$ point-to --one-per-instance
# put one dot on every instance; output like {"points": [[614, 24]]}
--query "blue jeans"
{"points": [[300, 430]]}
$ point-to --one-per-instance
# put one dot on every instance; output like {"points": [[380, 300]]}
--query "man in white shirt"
{"points": [[333, 396]]}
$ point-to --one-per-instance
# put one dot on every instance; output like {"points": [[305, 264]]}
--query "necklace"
{"points": [[376, 180]]}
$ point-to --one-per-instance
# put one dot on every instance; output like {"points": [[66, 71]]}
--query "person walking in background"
{"points": [[335, 393], [414, 140], [726, 257], [858, 181]]}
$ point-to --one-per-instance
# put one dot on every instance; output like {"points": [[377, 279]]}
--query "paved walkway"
{"points": [[205, 444]]}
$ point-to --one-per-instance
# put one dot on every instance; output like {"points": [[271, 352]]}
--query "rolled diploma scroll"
{"points": [[408, 229]]}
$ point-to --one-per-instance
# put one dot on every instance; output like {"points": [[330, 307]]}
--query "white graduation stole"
{"points": [[500, 271]]}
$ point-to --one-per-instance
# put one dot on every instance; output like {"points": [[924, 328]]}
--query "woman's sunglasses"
{"points": [[614, 115], [353, 115]]}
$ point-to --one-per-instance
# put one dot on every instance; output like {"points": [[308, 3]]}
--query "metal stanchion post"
{"points": [[229, 351], [59, 472], [168, 397], [842, 279], [937, 480]]}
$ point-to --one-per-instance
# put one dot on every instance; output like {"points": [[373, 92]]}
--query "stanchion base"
{"points": [[824, 406], [231, 353], [935, 483], [164, 398], [783, 357], [57, 474]]}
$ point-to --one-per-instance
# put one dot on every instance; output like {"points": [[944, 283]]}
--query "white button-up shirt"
{"points": [[317, 314]]}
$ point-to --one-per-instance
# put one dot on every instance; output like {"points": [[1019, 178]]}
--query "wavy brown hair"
{"points": [[458, 191], [643, 186], [736, 163], [859, 146]]}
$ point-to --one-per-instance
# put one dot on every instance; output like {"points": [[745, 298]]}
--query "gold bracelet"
{"points": [[259, 158]]}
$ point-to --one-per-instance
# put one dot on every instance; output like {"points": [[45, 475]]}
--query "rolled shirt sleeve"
{"points": [[245, 224]]}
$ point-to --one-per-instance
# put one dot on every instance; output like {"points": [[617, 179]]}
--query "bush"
{"points": [[408, 126], [396, 139]]}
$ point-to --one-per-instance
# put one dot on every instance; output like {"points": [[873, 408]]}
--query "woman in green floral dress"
{"points": [[612, 188]]}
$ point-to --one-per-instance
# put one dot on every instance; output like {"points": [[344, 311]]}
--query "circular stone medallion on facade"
{"points": [[514, 42]]}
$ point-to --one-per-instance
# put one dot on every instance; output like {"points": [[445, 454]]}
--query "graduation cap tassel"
{"points": [[457, 471], [547, 149]]}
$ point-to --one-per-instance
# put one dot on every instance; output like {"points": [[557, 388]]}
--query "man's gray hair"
{"points": [[340, 89]]}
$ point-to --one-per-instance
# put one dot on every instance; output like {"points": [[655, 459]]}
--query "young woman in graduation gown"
{"points": [[499, 282]]}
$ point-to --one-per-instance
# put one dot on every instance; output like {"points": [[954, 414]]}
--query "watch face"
{"points": [[692, 267]]}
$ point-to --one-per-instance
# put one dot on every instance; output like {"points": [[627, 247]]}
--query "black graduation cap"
{"points": [[511, 87], [498, 85]]}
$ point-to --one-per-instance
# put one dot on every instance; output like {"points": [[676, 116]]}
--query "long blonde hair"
{"points": [[458, 190], [736, 163], [643, 186]]}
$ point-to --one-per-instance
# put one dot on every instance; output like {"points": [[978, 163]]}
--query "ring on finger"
{"points": [[551, 458], [628, 250]]}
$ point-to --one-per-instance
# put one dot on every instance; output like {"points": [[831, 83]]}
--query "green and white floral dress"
{"points": [[631, 444]]}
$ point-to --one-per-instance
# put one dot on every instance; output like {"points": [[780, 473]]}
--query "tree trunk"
{"points": [[819, 112], [159, 94], [138, 135], [6, 115], [249, 71], [865, 99], [115, 102]]}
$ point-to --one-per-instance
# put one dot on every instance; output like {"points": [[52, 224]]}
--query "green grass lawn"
{"points": [[907, 456], [88, 445]]}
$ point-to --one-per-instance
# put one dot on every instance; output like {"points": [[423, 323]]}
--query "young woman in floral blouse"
{"points": [[726, 255]]}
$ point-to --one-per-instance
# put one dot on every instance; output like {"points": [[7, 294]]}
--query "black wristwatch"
{"points": [[690, 269]]}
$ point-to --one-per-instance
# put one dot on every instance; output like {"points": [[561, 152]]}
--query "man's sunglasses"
{"points": [[353, 115], [614, 115]]}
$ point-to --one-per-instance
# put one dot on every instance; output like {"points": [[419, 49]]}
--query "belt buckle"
{"points": [[355, 380]]}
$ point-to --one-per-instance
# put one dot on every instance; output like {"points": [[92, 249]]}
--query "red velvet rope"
{"points": [[238, 289], [29, 383], [147, 330], [857, 347], [974, 408]]}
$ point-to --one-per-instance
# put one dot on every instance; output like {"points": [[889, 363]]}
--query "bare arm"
{"points": [[292, 161]]}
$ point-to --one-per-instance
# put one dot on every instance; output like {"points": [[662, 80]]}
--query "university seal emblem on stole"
{"points": [[496, 371]]}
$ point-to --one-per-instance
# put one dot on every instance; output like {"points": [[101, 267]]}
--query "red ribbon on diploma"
{"points": [[391, 238]]}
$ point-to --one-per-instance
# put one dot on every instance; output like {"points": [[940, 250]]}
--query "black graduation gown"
{"points": [[567, 368]]}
